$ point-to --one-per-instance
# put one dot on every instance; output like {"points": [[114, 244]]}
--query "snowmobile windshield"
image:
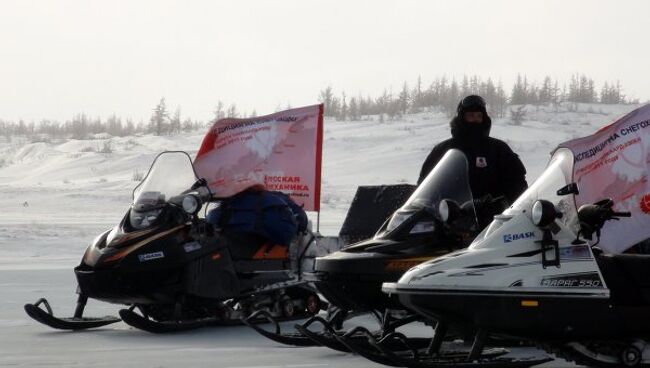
{"points": [[449, 180], [558, 174], [170, 174]]}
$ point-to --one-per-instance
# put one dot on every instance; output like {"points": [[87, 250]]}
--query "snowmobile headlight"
{"points": [[448, 210], [191, 204], [144, 219], [544, 213]]}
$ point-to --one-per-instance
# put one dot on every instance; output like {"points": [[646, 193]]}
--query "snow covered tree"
{"points": [[518, 116], [343, 113], [218, 111], [546, 91], [158, 120], [326, 96], [175, 122], [519, 95], [403, 99], [612, 94], [232, 111]]}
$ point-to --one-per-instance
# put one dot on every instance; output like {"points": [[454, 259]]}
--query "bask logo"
{"points": [[151, 256], [509, 238]]}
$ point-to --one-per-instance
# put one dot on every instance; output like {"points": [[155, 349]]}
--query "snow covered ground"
{"points": [[56, 197]]}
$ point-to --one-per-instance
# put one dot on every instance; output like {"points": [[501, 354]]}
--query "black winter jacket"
{"points": [[493, 167]]}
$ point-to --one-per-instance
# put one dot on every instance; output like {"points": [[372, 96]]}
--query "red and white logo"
{"points": [[645, 203]]}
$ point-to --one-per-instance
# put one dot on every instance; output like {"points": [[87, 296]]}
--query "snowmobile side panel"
{"points": [[531, 314], [212, 277]]}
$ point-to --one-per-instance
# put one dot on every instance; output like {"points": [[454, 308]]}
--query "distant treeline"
{"points": [[82, 126], [444, 93]]}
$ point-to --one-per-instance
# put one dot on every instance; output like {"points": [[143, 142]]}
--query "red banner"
{"points": [[614, 163], [281, 151]]}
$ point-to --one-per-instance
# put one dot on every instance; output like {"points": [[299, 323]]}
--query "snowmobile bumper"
{"points": [[522, 313], [353, 280], [126, 288]]}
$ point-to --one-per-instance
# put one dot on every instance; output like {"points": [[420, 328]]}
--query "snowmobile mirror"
{"points": [[448, 210], [592, 217], [571, 188], [544, 213], [191, 204], [200, 183]]}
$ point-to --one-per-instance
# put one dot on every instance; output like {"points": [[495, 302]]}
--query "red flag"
{"points": [[615, 163], [281, 151]]}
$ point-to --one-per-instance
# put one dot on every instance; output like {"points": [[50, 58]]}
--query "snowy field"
{"points": [[56, 197]]}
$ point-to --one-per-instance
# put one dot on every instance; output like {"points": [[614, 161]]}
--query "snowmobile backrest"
{"points": [[371, 206]]}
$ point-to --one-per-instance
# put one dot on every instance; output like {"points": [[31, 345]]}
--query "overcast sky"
{"points": [[58, 58]]}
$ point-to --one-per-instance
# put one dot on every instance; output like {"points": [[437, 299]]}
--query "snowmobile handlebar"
{"points": [[621, 214], [592, 217], [487, 199]]}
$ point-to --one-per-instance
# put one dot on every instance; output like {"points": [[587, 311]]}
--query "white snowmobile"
{"points": [[536, 273]]}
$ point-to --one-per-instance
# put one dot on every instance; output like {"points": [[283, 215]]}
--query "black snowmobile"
{"points": [[351, 279], [179, 272]]}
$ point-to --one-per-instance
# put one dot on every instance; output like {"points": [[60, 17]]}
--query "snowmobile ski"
{"points": [[46, 317], [133, 319], [293, 339], [415, 352], [323, 338]]}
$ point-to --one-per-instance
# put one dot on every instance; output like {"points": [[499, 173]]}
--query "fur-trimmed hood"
{"points": [[465, 131]]}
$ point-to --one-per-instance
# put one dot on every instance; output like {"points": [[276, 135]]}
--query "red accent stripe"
{"points": [[319, 157]]}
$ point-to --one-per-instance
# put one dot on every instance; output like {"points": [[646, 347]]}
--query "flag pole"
{"points": [[319, 161]]}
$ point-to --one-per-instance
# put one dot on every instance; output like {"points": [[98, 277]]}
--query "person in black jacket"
{"points": [[494, 169]]}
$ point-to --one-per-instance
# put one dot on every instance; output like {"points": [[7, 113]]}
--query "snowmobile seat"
{"points": [[242, 245], [250, 246], [637, 266], [627, 276]]}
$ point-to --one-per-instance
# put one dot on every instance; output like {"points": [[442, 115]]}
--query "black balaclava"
{"points": [[463, 130]]}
